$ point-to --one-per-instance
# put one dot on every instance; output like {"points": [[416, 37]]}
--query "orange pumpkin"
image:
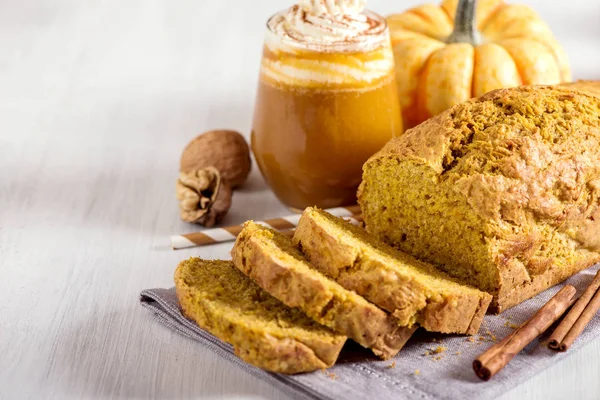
{"points": [[449, 53]]}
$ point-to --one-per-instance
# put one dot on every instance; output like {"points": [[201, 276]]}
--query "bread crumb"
{"points": [[458, 353], [438, 358], [417, 371], [392, 365], [510, 325], [481, 338], [471, 339], [426, 353], [330, 375], [440, 349]]}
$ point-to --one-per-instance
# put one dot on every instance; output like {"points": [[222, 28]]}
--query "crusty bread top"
{"points": [[591, 88], [522, 154]]}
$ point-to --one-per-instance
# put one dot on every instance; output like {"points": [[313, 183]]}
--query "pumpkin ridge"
{"points": [[421, 13], [424, 21], [448, 15], [474, 74], [513, 50], [491, 15], [421, 101], [552, 50], [520, 72]]}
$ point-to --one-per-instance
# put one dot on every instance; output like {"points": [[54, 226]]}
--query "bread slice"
{"points": [[413, 291], [275, 264], [263, 331]]}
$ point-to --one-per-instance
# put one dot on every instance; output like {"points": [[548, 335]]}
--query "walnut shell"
{"points": [[225, 150], [204, 198]]}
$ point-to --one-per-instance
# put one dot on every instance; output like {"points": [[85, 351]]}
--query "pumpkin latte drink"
{"points": [[326, 102]]}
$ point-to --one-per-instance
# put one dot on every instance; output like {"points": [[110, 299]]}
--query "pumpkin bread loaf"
{"points": [[502, 191], [413, 291], [590, 87], [263, 331], [275, 264]]}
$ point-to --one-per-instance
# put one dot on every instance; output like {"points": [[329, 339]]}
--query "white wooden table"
{"points": [[97, 99]]}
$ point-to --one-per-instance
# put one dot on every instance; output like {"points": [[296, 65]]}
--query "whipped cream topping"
{"points": [[332, 7], [330, 27], [321, 25]]}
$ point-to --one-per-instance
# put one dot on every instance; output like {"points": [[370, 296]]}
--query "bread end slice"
{"points": [[262, 330]]}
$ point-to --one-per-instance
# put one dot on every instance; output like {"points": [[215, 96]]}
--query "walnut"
{"points": [[225, 150], [204, 197]]}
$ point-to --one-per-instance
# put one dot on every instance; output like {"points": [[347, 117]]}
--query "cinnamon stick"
{"points": [[582, 322], [568, 323], [481, 361], [499, 355]]}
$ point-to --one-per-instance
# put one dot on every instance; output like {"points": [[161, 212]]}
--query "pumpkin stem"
{"points": [[465, 30]]}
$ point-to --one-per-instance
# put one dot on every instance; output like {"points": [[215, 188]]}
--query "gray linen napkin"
{"points": [[417, 372]]}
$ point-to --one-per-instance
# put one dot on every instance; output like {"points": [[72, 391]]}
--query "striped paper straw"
{"points": [[229, 233]]}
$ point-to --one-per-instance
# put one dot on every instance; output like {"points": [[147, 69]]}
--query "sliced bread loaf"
{"points": [[263, 331], [501, 192], [275, 264], [413, 291]]}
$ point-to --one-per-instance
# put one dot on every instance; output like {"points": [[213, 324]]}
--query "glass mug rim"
{"points": [[383, 36]]}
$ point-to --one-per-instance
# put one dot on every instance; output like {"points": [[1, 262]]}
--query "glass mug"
{"points": [[322, 110]]}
